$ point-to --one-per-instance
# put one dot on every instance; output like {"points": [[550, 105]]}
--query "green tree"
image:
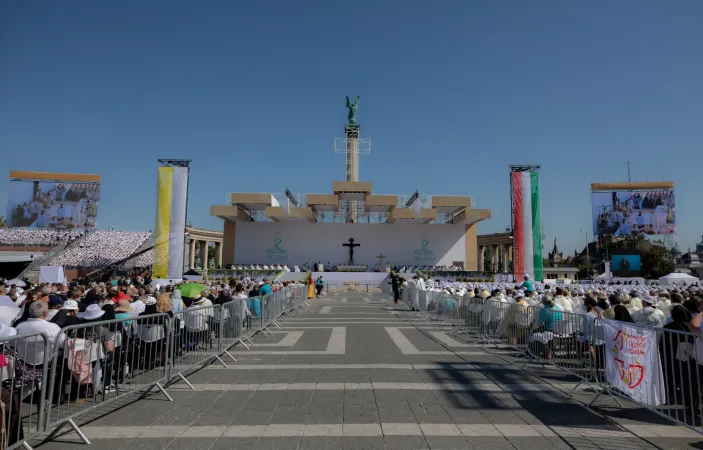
{"points": [[3, 224], [656, 262]]}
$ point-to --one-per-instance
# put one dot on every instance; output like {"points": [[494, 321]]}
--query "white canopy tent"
{"points": [[678, 279]]}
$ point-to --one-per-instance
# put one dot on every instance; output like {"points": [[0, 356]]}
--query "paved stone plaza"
{"points": [[348, 373]]}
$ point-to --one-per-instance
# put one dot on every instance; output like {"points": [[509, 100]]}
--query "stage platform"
{"points": [[373, 279]]}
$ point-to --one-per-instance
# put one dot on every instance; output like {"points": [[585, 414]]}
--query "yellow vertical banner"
{"points": [[163, 222]]}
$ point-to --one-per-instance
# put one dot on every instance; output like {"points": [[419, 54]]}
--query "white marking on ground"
{"points": [[289, 340], [407, 348], [335, 346], [382, 386], [384, 429]]}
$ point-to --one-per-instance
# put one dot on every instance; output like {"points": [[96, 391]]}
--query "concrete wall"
{"points": [[304, 242]]}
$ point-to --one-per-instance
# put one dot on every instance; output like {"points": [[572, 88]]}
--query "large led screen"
{"points": [[52, 204], [629, 213]]}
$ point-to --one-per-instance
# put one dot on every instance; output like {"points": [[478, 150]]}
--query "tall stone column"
{"points": [[510, 256], [218, 254], [504, 251], [203, 254], [494, 258], [191, 254]]}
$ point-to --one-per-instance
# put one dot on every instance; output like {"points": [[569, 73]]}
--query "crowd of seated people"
{"points": [[100, 249], [413, 269], [37, 236], [266, 267], [124, 348], [146, 259], [565, 324]]}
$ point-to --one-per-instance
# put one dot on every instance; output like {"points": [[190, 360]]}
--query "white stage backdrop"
{"points": [[305, 242]]}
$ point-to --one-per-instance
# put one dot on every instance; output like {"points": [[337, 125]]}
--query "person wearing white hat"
{"points": [[67, 315], [97, 334], [664, 303], [650, 316], [561, 300], [632, 302], [92, 312], [527, 284]]}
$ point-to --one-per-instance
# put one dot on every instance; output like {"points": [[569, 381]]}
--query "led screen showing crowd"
{"points": [[51, 204], [630, 213]]}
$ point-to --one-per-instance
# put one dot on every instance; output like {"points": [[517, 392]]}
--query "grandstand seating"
{"points": [[100, 249], [144, 260], [37, 236]]}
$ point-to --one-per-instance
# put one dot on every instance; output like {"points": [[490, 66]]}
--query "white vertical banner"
{"points": [[416, 207], [632, 363], [286, 208], [176, 235], [528, 250]]}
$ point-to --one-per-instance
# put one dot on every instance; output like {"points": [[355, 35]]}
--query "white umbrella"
{"points": [[8, 313], [16, 282]]}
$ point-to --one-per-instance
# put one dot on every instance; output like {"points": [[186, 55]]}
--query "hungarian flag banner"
{"points": [[527, 226]]}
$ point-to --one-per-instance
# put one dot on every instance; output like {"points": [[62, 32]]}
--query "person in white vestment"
{"points": [[650, 316], [414, 293], [561, 300]]}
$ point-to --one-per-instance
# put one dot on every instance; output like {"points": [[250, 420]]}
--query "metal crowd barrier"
{"points": [[195, 340], [23, 364], [575, 343], [99, 362], [49, 383]]}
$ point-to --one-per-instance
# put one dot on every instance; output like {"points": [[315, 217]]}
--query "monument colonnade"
{"points": [[199, 241], [498, 247]]}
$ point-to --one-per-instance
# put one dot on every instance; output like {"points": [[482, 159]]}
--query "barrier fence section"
{"points": [[660, 369], [50, 382], [99, 362], [22, 364]]}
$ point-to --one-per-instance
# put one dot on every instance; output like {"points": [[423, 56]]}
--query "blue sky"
{"points": [[452, 92]]}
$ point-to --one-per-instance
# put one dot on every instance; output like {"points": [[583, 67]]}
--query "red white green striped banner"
{"points": [[527, 226]]}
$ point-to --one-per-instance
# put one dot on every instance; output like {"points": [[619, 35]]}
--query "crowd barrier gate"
{"points": [[574, 343], [50, 383]]}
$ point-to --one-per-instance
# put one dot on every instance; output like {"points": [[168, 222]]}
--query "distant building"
{"points": [[560, 273], [556, 257], [690, 258], [699, 248]]}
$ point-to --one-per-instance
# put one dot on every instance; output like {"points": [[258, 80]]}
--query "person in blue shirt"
{"points": [[549, 313], [265, 289], [527, 284], [319, 284]]}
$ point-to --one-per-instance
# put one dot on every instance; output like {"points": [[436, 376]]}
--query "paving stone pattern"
{"points": [[351, 372]]}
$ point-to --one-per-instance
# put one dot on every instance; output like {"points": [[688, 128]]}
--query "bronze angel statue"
{"points": [[352, 110]]}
